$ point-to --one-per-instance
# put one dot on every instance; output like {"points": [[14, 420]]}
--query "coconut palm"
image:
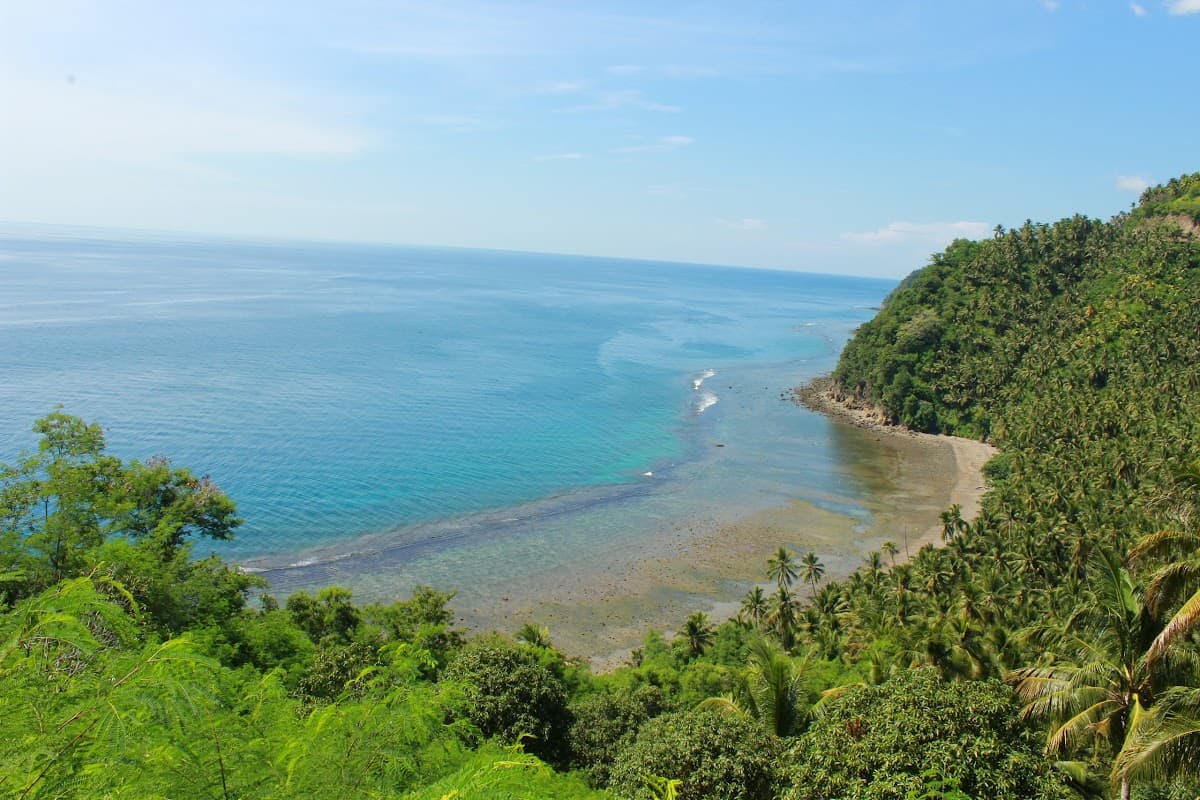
{"points": [[1166, 741], [771, 690], [889, 550], [755, 607], [698, 633], [781, 568], [814, 570], [953, 524], [538, 636], [1108, 673], [783, 616], [1175, 585], [873, 565]]}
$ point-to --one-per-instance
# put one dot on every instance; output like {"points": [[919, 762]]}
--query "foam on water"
{"points": [[706, 401], [698, 382]]}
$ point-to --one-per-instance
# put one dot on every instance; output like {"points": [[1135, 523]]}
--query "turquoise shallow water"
{"points": [[393, 415]]}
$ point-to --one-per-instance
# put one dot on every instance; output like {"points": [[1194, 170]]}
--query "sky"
{"points": [[845, 137]]}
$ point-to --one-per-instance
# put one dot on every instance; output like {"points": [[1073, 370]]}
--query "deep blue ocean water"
{"points": [[428, 409]]}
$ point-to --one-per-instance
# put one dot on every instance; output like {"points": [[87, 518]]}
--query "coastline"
{"points": [[600, 611], [823, 396]]}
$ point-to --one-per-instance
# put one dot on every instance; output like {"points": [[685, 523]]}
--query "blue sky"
{"points": [[849, 137]]}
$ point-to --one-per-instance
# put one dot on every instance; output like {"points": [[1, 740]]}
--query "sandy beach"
{"points": [[600, 611]]}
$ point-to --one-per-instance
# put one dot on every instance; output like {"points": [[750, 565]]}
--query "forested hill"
{"points": [[1041, 318], [1049, 650], [1075, 348]]}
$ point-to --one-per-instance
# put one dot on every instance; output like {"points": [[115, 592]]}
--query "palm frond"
{"points": [[1078, 776], [1115, 589], [1166, 741], [1034, 682], [1064, 737], [1170, 582], [724, 704], [1156, 543], [1185, 621]]}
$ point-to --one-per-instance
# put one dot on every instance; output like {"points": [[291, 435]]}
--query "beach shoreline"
{"points": [[600, 612], [823, 396]]}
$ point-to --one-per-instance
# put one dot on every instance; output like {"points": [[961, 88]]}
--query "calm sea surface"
{"points": [[429, 415]]}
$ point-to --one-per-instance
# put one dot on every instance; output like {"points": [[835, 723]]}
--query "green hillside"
{"points": [[1048, 650]]}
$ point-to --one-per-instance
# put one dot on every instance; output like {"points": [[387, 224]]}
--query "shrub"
{"points": [[716, 756]]}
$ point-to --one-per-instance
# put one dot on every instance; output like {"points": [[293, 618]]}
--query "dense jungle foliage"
{"points": [[1047, 650]]}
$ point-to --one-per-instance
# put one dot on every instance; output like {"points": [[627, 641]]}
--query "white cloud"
{"points": [[561, 87], [1050, 5], [935, 232], [664, 144], [676, 189], [624, 69], [1138, 10], [1132, 183], [690, 71], [456, 123], [79, 121], [744, 224], [1181, 7], [559, 157], [617, 100]]}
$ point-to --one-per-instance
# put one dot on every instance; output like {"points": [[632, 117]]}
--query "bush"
{"points": [[604, 723], [882, 742], [716, 755], [511, 694]]}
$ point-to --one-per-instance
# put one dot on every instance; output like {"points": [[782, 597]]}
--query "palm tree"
{"points": [[538, 636], [1166, 741], [889, 550], [698, 633], [873, 563], [771, 690], [781, 568], [754, 607], [953, 524], [1108, 675], [1176, 584], [814, 570], [783, 616]]}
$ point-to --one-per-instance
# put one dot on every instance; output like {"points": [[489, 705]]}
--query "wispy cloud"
{"points": [[665, 70], [744, 224], [1181, 7], [1138, 10], [1132, 183], [80, 120], [618, 100], [559, 157], [935, 232], [664, 144], [456, 123], [561, 87], [1050, 5], [676, 189]]}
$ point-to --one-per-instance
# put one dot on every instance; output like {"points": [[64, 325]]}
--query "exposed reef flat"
{"points": [[599, 610]]}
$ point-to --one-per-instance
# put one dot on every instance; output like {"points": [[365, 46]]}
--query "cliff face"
{"points": [[830, 397]]}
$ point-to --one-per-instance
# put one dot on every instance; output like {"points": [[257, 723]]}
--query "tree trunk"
{"points": [[1125, 788]]}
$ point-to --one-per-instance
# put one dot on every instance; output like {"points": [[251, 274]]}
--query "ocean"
{"points": [[386, 416]]}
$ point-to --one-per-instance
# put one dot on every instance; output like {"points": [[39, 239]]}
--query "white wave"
{"points": [[707, 400], [698, 382]]}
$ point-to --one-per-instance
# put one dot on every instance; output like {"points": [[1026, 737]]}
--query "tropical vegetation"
{"points": [[1048, 649]]}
